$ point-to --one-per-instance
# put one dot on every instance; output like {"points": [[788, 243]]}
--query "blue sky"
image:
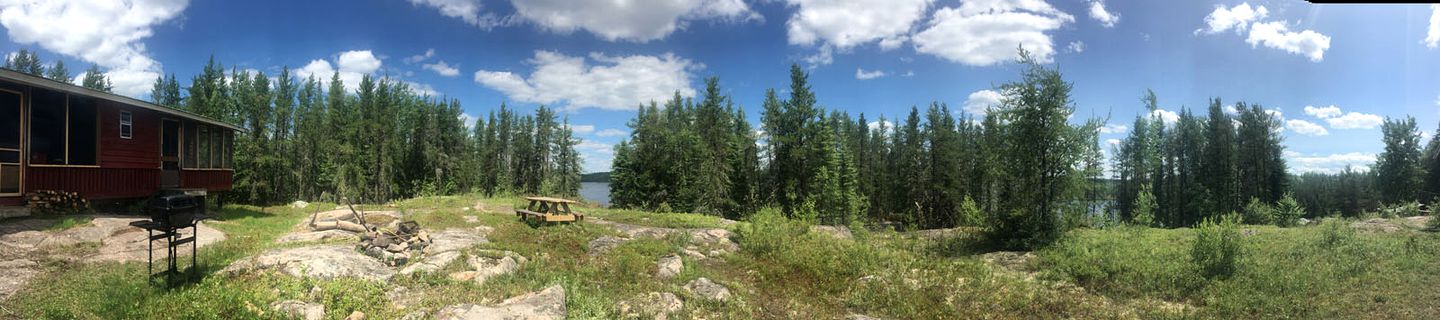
{"points": [[1332, 71]]}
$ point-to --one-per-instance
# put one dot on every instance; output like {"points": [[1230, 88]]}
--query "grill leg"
{"points": [[149, 254], [194, 242]]}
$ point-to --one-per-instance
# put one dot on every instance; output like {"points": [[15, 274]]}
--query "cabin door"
{"points": [[169, 153], [11, 135]]}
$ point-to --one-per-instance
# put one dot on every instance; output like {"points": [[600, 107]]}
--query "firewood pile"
{"points": [[396, 247], [56, 202]]}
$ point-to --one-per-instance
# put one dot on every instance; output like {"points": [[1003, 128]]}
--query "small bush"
{"points": [[1287, 212], [1144, 207], [1257, 212], [1434, 224], [970, 214], [768, 232], [1335, 233], [1217, 249]]}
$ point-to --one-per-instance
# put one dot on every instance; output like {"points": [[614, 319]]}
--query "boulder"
{"points": [[355, 315], [839, 232], [312, 236], [299, 309], [487, 267], [299, 204], [693, 254], [321, 262], [453, 239], [604, 243], [542, 305], [706, 289], [432, 263], [669, 266], [14, 275], [656, 305]]}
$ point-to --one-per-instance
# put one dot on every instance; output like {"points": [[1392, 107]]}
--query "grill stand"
{"points": [[174, 240]]}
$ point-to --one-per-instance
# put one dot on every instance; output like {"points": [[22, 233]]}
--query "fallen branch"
{"points": [[341, 225]]}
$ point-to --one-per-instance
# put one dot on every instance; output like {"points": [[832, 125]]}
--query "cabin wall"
{"points": [[142, 150], [95, 183], [212, 180]]}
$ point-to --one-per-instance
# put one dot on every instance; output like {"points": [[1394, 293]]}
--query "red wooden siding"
{"points": [[95, 183], [212, 180], [142, 150]]}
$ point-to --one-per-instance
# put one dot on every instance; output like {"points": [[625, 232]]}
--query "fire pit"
{"points": [[397, 247]]}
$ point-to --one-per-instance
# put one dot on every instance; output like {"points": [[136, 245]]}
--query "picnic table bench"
{"points": [[547, 209]]}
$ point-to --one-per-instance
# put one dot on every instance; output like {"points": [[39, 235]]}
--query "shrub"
{"points": [[1217, 249], [1144, 207], [970, 214], [1335, 233], [1434, 224], [1257, 212], [768, 232], [1287, 212]]}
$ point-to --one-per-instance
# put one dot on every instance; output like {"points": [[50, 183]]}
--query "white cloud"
{"points": [[352, 65], [106, 33], [886, 124], [1114, 128], [1276, 35], [845, 24], [1237, 18], [595, 156], [582, 128], [982, 33], [1323, 112], [440, 67], [422, 89], [629, 20], [911, 73], [614, 83], [1076, 47], [980, 101], [468, 119], [1113, 142], [1432, 34], [465, 10], [1332, 163], [1230, 109], [1097, 11], [612, 132], [867, 75], [1167, 116], [421, 57], [822, 57], [1355, 120], [1306, 127]]}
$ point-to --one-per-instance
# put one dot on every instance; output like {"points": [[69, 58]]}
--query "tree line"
{"points": [[308, 138]]}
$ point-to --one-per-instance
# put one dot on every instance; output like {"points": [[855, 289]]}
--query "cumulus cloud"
{"points": [[867, 75], [1114, 128], [468, 120], [595, 156], [106, 33], [983, 33], [845, 24], [1098, 12], [611, 132], [420, 57], [1237, 18], [880, 124], [1167, 116], [981, 101], [582, 128], [441, 68], [1305, 127], [465, 10], [1276, 35], [1323, 112], [1075, 47], [352, 65], [629, 20], [1355, 120], [1331, 163], [1113, 142], [613, 83], [1432, 34]]}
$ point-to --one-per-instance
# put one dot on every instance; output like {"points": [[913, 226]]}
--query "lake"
{"points": [[597, 192]]}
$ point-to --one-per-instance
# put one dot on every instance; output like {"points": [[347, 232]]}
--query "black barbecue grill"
{"points": [[170, 213]]}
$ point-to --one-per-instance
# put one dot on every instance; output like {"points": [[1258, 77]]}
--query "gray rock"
{"points": [[669, 266], [14, 275], [432, 263], [299, 309], [334, 234], [693, 254], [706, 289], [657, 305], [542, 305], [322, 262], [841, 232], [471, 219], [605, 243], [299, 204], [487, 267], [453, 239], [860, 317]]}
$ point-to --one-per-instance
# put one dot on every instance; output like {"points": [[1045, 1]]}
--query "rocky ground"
{"points": [[26, 243]]}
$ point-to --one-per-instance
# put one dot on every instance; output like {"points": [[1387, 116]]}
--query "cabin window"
{"points": [[204, 147], [217, 147], [229, 147], [63, 129], [10, 142], [127, 125], [190, 139]]}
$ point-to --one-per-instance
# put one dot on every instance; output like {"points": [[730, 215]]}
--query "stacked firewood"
{"points": [[56, 202], [395, 247]]}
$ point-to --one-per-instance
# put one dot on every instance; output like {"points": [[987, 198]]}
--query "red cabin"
{"points": [[59, 136]]}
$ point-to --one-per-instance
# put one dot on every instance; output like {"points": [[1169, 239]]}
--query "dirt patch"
{"points": [[1380, 225], [717, 240]]}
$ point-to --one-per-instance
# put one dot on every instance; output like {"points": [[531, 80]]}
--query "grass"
{"points": [[784, 271], [68, 222]]}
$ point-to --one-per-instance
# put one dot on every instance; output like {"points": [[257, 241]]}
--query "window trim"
{"points": [[124, 123]]}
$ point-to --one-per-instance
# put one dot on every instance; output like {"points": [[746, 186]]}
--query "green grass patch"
{"points": [[68, 222]]}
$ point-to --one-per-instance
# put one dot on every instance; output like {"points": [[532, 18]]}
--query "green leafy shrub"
{"points": [[1434, 224], [1218, 247], [1144, 207], [1335, 233], [1257, 212], [769, 232], [1287, 212], [970, 214]]}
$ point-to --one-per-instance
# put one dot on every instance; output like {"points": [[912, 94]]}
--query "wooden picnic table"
{"points": [[547, 209]]}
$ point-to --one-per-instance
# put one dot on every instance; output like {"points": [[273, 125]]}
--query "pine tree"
{"points": [[94, 79], [25, 61], [1397, 169], [1219, 162], [58, 72]]}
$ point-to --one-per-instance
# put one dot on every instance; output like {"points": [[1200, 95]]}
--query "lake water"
{"points": [[597, 192]]}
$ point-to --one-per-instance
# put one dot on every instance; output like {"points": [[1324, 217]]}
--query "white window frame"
{"points": [[127, 123]]}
